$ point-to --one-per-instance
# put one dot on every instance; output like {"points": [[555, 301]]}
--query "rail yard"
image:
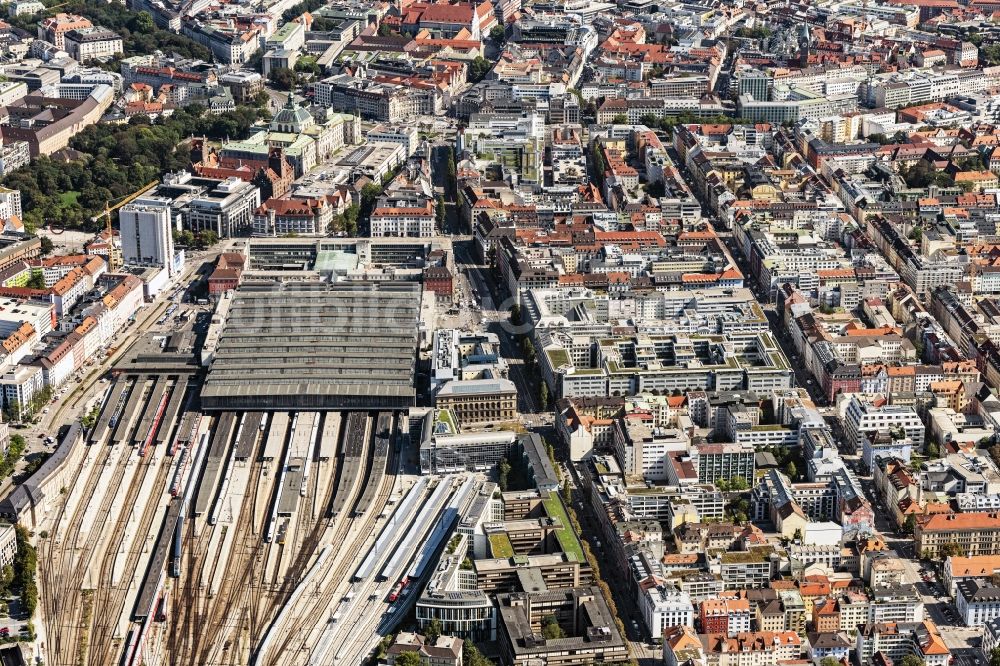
{"points": [[294, 535]]}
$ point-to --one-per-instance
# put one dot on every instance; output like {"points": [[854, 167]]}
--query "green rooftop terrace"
{"points": [[445, 416], [568, 540], [500, 545], [557, 357]]}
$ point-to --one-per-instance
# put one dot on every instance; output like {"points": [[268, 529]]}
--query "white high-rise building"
{"points": [[10, 203], [147, 237]]}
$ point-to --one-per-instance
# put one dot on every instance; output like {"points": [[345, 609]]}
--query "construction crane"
{"points": [[129, 198]]}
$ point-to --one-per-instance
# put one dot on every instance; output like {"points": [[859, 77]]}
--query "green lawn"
{"points": [[69, 197], [444, 416], [568, 540], [500, 545]]}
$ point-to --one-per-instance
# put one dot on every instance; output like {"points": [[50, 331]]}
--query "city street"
{"points": [[496, 321]]}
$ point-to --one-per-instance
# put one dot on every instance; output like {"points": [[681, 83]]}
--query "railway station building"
{"points": [[316, 346]]}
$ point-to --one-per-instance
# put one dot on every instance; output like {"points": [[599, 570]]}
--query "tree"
{"points": [[990, 55], [923, 174], [346, 221], [597, 162], [478, 69], [995, 657], [471, 656], [515, 314], [528, 350], [551, 629], [498, 34], [952, 549], [138, 32], [118, 160], [910, 524], [439, 212], [619, 119], [261, 99], [12, 412], [738, 510], [143, 23], [759, 32], [308, 65], [504, 474], [283, 78], [452, 177], [433, 631], [791, 470], [47, 245], [543, 394], [656, 189], [369, 195], [407, 659], [25, 563], [911, 660], [973, 163], [36, 281], [207, 238], [384, 645], [6, 578], [738, 483], [567, 493]]}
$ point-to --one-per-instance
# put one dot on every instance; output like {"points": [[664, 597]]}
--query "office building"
{"points": [[588, 624], [95, 43], [664, 606], [977, 532], [146, 231], [977, 601]]}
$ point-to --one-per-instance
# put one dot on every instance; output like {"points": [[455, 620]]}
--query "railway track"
{"points": [[321, 509], [238, 584], [183, 604], [249, 599], [110, 600], [78, 566], [59, 594], [62, 607], [66, 587], [342, 571], [312, 541], [246, 600], [318, 610]]}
